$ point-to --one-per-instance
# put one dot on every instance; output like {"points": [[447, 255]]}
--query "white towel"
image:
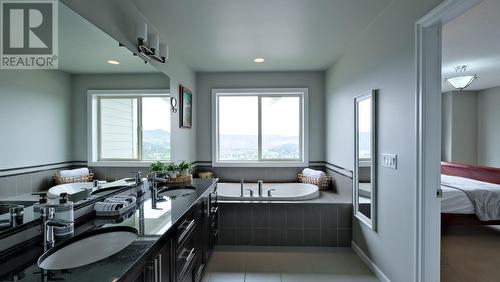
{"points": [[313, 173], [74, 172]]}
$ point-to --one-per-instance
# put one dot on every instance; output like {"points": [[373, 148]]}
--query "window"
{"points": [[259, 127], [129, 126]]}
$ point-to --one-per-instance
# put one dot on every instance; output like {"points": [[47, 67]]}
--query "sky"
{"points": [[156, 113], [365, 114], [239, 115]]}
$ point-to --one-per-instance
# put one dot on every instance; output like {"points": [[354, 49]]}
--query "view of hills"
{"points": [[244, 147], [156, 146]]}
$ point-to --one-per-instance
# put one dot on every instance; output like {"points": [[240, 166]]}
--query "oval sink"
{"points": [[177, 191], [88, 247], [70, 188]]}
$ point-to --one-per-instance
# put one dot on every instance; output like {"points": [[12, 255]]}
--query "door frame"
{"points": [[428, 131]]}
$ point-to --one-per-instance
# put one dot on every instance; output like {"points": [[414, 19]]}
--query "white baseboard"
{"points": [[371, 265]]}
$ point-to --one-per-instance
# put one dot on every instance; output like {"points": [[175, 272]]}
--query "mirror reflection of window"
{"points": [[364, 129]]}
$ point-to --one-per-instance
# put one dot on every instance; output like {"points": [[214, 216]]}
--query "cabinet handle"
{"points": [[186, 230], [189, 256], [156, 270], [159, 268]]}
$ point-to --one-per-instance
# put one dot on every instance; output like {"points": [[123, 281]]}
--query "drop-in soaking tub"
{"points": [[281, 192]]}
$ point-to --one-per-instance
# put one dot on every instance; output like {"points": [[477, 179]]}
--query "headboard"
{"points": [[481, 173]]}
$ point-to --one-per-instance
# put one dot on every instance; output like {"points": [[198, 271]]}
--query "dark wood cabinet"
{"points": [[157, 268], [183, 256]]}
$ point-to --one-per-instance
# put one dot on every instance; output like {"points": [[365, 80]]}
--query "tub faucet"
{"points": [[250, 191], [48, 224], [242, 182], [260, 183]]}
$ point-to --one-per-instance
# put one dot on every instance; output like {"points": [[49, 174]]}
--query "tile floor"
{"points": [[286, 264]]}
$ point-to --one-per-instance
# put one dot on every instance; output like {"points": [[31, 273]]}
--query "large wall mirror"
{"points": [[44, 115], [364, 176]]}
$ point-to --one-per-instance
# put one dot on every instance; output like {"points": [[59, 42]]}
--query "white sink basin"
{"points": [[70, 188], [87, 248]]}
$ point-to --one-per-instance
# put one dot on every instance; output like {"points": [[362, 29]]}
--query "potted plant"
{"points": [[157, 167], [172, 170], [185, 167]]}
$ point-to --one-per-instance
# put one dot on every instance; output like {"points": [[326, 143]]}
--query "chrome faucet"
{"points": [[260, 183], [48, 224], [138, 177], [154, 187], [242, 183], [269, 194], [16, 215], [250, 191]]}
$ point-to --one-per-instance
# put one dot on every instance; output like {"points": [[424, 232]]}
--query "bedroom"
{"points": [[470, 215]]}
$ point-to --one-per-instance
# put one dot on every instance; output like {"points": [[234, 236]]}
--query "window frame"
{"points": [[94, 129], [302, 93]]}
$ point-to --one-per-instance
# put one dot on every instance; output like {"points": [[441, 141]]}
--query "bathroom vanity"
{"points": [[175, 238]]}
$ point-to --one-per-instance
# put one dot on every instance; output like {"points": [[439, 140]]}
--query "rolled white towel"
{"points": [[74, 172], [313, 173]]}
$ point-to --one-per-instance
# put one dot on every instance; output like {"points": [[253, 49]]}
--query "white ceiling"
{"points": [[474, 39], [226, 35], [84, 48]]}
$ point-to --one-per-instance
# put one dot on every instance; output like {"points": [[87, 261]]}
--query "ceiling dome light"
{"points": [[113, 62], [461, 80], [259, 60]]}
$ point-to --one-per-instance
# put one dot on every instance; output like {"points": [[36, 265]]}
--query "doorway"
{"points": [[428, 89]]}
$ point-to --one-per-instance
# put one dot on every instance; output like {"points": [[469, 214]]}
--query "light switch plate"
{"points": [[390, 160]]}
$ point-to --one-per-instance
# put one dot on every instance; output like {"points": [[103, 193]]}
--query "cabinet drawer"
{"points": [[185, 228], [188, 274], [185, 256]]}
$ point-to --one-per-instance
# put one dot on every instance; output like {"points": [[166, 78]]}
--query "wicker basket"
{"points": [[84, 178], [323, 183]]}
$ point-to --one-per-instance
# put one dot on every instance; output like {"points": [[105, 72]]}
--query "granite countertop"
{"points": [[151, 224], [31, 217]]}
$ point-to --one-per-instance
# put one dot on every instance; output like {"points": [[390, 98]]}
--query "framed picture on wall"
{"points": [[186, 107]]}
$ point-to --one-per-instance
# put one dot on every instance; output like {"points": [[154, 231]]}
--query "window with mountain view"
{"points": [[259, 126], [131, 127]]}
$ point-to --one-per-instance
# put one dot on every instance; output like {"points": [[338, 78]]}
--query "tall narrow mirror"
{"points": [[364, 176]]}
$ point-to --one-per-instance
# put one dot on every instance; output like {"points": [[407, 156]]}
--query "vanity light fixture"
{"points": [[259, 60], [149, 45], [462, 79], [113, 62]]}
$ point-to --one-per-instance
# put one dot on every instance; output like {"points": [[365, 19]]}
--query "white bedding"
{"points": [[465, 196], [456, 201]]}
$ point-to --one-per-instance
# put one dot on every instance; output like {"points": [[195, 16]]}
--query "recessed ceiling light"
{"points": [[259, 60], [113, 62]]}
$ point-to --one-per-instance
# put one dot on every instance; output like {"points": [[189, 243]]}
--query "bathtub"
{"points": [[283, 192]]}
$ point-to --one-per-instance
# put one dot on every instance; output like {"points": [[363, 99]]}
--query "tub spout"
{"points": [[259, 185], [242, 182]]}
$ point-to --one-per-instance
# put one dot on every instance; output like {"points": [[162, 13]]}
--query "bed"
{"points": [[456, 206]]}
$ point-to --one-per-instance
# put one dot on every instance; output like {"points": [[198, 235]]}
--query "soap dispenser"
{"points": [[64, 210], [41, 201]]}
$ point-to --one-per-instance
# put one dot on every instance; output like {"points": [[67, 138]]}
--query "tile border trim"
{"points": [[37, 168]]}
